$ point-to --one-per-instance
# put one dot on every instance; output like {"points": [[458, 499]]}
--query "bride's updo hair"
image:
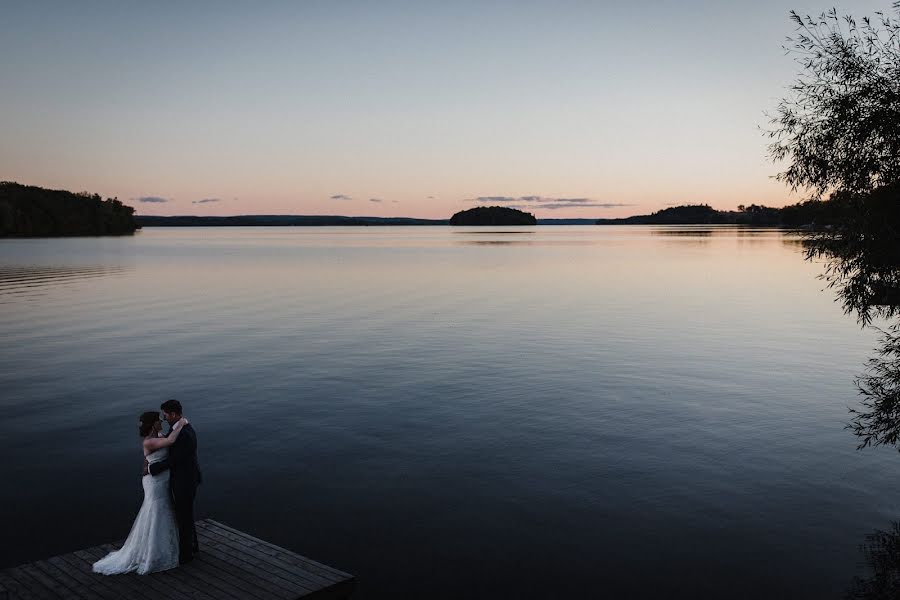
{"points": [[148, 420]]}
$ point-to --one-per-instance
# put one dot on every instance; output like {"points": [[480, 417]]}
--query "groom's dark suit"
{"points": [[183, 482]]}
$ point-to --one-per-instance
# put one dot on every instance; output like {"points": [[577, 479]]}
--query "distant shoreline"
{"points": [[31, 211], [797, 215], [310, 221]]}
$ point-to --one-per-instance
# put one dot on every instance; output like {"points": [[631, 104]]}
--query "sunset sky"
{"points": [[566, 109]]}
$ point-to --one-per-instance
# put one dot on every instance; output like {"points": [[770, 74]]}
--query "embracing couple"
{"points": [[163, 535]]}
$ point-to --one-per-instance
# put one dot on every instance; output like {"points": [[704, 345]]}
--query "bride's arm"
{"points": [[157, 443]]}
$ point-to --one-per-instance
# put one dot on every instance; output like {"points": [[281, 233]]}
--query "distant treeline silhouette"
{"points": [[280, 221], [308, 221], [812, 213], [30, 211], [493, 215]]}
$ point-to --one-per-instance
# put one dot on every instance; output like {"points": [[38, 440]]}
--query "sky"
{"points": [[421, 109]]}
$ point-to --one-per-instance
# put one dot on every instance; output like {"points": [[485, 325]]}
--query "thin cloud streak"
{"points": [[581, 205], [152, 199], [341, 197], [543, 199], [206, 201], [544, 202]]}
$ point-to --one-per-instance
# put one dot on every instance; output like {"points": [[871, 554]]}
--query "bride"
{"points": [[152, 544]]}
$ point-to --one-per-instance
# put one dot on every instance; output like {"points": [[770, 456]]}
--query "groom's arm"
{"points": [[159, 466], [177, 454]]}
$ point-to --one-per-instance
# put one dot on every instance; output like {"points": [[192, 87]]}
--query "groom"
{"points": [[183, 481]]}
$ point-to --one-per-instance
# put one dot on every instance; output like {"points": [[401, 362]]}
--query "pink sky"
{"points": [[390, 111]]}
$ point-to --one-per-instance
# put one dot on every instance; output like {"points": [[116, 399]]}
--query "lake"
{"points": [[454, 412]]}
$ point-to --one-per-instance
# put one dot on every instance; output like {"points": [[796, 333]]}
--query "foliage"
{"points": [[808, 214], [493, 215], [877, 422], [839, 130], [34, 211], [860, 249], [840, 126]]}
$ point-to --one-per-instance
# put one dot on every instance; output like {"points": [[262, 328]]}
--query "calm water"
{"points": [[453, 413]]}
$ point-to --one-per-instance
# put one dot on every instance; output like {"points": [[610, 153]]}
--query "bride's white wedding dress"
{"points": [[152, 544]]}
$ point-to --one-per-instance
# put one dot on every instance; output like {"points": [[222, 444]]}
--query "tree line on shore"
{"points": [[30, 211], [810, 214]]}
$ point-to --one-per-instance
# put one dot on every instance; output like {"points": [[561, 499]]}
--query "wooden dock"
{"points": [[231, 565]]}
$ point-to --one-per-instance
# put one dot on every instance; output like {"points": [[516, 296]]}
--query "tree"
{"points": [[839, 128]]}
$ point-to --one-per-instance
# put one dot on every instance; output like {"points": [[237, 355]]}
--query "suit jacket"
{"points": [[182, 462]]}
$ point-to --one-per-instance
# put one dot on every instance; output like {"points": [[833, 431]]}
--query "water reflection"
{"points": [[683, 232], [489, 232], [861, 253], [861, 257], [739, 235], [881, 552], [603, 386], [502, 243], [862, 265], [16, 280]]}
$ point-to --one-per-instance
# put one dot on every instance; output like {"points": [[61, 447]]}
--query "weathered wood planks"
{"points": [[231, 565]]}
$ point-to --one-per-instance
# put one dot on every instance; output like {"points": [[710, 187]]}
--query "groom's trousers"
{"points": [[183, 503]]}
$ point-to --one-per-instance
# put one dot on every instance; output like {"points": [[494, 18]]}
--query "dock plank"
{"points": [[308, 563], [80, 578], [172, 583], [120, 584], [86, 578], [309, 580], [49, 587], [334, 583], [232, 565], [14, 589], [134, 584], [66, 581], [263, 588], [251, 589], [247, 564]]}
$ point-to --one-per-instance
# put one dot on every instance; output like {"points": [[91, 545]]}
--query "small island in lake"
{"points": [[493, 215], [30, 211]]}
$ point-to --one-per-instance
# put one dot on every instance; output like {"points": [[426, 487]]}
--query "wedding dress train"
{"points": [[152, 544]]}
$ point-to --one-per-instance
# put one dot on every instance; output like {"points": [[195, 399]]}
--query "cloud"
{"points": [[544, 199], [152, 199], [523, 202], [206, 201], [579, 204], [431, 197], [341, 197], [395, 201], [375, 200], [494, 199]]}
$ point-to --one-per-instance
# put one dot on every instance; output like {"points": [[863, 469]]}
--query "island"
{"points": [[492, 215], [30, 211], [802, 214]]}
